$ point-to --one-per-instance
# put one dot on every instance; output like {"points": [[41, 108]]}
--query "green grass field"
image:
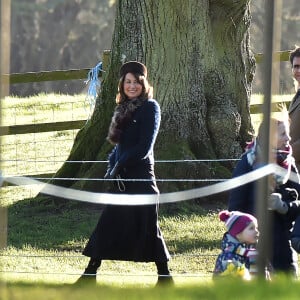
{"points": [[43, 257], [227, 289]]}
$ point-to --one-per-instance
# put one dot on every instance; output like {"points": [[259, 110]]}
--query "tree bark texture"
{"points": [[199, 62]]}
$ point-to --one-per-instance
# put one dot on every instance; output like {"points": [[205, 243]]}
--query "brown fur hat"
{"points": [[134, 67]]}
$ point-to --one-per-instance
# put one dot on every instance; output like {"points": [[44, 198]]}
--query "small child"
{"points": [[239, 254]]}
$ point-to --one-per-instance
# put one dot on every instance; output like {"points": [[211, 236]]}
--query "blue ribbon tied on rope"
{"points": [[94, 85]]}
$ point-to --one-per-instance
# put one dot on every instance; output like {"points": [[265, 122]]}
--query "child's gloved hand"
{"points": [[292, 193], [276, 203]]}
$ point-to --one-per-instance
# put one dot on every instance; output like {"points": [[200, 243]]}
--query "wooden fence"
{"points": [[16, 78]]}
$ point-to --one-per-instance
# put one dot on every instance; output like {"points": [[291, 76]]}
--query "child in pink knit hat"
{"points": [[238, 254]]}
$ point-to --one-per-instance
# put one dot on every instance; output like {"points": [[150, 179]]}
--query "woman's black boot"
{"points": [[164, 280], [90, 272], [164, 276]]}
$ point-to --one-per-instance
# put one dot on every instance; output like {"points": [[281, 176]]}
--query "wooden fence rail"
{"points": [[28, 77], [41, 127], [16, 78]]}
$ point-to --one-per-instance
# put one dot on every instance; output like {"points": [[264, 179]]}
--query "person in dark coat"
{"points": [[284, 193], [131, 233], [294, 114], [294, 108]]}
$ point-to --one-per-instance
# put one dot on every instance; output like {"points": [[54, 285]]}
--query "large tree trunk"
{"points": [[199, 62]]}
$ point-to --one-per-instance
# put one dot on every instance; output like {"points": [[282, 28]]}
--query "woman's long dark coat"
{"points": [[131, 232]]}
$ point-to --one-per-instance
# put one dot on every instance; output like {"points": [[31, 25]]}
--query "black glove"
{"points": [[292, 193]]}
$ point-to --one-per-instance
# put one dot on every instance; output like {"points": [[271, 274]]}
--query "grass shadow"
{"points": [[40, 223]]}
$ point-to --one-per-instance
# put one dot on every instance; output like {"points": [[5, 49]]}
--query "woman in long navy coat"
{"points": [[131, 233]]}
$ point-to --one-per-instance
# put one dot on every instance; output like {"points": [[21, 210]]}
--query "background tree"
{"points": [[198, 59], [58, 35]]}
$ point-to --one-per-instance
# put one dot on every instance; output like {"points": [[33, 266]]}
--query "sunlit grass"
{"points": [[258, 98], [43, 108], [25, 153]]}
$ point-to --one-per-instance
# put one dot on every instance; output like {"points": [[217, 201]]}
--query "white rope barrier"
{"points": [[105, 161], [108, 274], [137, 179], [202, 256], [141, 199], [84, 257]]}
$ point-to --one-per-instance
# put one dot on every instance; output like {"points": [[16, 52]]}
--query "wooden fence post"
{"points": [[271, 42], [4, 89]]}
